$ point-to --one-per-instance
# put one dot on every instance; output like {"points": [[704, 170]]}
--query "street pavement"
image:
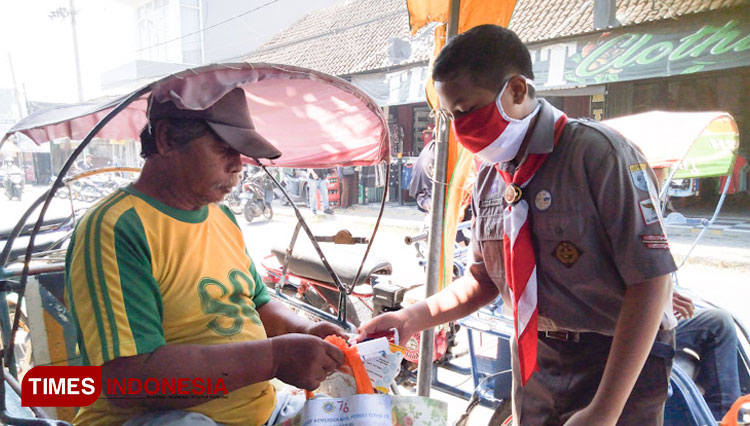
{"points": [[716, 270]]}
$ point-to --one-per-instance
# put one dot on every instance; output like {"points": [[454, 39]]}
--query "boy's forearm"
{"points": [[641, 313], [461, 298]]}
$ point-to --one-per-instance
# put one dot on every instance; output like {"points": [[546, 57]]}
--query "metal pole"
{"points": [[16, 93], [427, 340], [75, 50]]}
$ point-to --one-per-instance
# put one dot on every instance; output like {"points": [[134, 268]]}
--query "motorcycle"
{"points": [[235, 199], [256, 203], [13, 184], [294, 185]]}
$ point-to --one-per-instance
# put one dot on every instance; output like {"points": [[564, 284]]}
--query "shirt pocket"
{"points": [[561, 241], [488, 231]]}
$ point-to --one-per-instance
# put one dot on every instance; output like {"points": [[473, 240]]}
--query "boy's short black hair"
{"points": [[490, 53]]}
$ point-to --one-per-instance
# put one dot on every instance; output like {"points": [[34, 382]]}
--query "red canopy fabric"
{"points": [[316, 120]]}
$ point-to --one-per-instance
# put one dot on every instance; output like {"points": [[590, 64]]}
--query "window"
{"points": [[190, 28], [152, 30]]}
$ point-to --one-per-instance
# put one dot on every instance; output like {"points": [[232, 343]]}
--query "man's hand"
{"points": [[304, 361], [324, 329], [682, 306], [385, 322]]}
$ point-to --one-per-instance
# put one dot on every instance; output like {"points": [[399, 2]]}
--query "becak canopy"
{"points": [[315, 119], [700, 144]]}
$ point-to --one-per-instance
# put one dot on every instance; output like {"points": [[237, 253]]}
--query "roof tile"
{"points": [[537, 20], [346, 38], [354, 36]]}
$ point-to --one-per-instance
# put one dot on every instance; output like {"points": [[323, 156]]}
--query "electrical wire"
{"points": [[209, 27]]}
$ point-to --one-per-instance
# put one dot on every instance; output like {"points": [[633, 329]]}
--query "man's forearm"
{"points": [[190, 362], [463, 297], [278, 320], [641, 313]]}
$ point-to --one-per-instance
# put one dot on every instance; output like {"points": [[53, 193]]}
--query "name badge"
{"points": [[492, 202]]}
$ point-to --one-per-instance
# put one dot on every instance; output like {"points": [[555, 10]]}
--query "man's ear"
{"points": [[518, 89], [164, 145]]}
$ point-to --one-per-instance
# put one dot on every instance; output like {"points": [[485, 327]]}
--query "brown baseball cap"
{"points": [[229, 117]]}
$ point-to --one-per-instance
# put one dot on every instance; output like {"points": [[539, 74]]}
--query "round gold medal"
{"points": [[513, 194]]}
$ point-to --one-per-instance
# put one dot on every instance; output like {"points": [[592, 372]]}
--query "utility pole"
{"points": [[63, 13], [75, 50], [16, 94]]}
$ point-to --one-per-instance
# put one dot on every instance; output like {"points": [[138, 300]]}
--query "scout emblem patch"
{"points": [[638, 174], [543, 200], [650, 215], [655, 241], [567, 253], [513, 194]]}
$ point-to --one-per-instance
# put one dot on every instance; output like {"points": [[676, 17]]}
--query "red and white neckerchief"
{"points": [[520, 261]]}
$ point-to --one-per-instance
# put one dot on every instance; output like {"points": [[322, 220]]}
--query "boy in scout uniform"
{"points": [[566, 229]]}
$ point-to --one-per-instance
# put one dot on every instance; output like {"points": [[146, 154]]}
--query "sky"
{"points": [[40, 48]]}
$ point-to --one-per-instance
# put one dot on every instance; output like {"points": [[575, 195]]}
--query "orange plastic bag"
{"points": [[730, 419], [355, 364]]}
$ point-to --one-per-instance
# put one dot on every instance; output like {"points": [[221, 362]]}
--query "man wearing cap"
{"points": [[566, 229], [165, 295]]}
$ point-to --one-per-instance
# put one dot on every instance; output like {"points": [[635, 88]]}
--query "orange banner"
{"points": [[460, 168]]}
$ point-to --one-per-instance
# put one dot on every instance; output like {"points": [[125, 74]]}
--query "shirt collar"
{"points": [[543, 134], [542, 139]]}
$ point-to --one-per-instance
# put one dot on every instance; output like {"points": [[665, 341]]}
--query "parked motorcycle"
{"points": [[13, 183], [294, 185], [256, 202], [234, 200]]}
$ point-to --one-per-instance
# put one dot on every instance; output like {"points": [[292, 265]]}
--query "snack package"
{"points": [[376, 362]]}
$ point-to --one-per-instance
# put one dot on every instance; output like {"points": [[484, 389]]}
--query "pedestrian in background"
{"points": [[318, 181]]}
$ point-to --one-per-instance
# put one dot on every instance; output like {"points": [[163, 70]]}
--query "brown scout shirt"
{"points": [[594, 225]]}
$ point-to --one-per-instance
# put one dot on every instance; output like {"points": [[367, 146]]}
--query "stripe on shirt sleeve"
{"points": [[261, 296], [137, 291]]}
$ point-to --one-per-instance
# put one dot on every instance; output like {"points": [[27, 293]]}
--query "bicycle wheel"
{"points": [[268, 213], [503, 415], [326, 299]]}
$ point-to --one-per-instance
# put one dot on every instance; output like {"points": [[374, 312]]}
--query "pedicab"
{"points": [[316, 120], [677, 145]]}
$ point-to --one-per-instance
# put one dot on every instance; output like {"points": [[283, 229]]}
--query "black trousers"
{"points": [[569, 375]]}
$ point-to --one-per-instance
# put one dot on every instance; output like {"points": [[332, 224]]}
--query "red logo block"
{"points": [[63, 386]]}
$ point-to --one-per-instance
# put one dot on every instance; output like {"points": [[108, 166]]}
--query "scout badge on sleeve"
{"points": [[638, 174], [655, 241], [648, 211]]}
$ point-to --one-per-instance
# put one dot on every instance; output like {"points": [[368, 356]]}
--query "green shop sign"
{"points": [[671, 48]]}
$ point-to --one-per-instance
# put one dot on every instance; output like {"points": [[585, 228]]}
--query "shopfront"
{"points": [[695, 63]]}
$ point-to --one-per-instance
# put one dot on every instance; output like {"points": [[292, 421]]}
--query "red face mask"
{"points": [[490, 133], [479, 128]]}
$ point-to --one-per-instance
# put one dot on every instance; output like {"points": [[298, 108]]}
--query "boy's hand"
{"points": [[386, 322]]}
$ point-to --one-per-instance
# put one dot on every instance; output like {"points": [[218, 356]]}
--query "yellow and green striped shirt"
{"points": [[141, 274]]}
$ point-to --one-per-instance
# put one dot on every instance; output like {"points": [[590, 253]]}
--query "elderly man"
{"points": [[162, 287]]}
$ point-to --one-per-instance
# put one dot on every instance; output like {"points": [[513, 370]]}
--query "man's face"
{"points": [[461, 95], [207, 170]]}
